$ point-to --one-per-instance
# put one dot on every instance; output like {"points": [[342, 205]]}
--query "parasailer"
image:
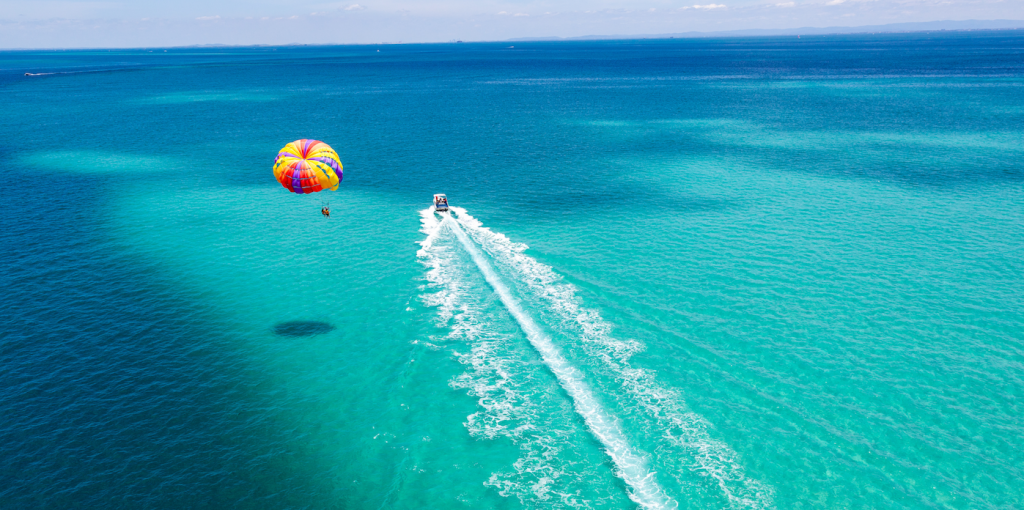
{"points": [[308, 166]]}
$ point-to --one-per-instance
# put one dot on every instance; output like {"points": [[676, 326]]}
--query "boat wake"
{"points": [[501, 373], [687, 452]]}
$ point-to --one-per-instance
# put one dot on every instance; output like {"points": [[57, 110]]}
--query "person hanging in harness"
{"points": [[326, 211]]}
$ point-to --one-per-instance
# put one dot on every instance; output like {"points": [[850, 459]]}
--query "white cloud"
{"points": [[707, 7], [786, 4], [503, 13], [207, 18], [354, 7], [835, 2], [520, 14]]}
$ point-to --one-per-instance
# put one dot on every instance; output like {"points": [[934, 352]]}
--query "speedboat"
{"points": [[440, 203]]}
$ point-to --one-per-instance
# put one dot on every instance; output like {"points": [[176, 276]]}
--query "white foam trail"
{"points": [[681, 428], [631, 466], [495, 376]]}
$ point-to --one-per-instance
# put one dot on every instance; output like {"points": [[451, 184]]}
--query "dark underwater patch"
{"points": [[302, 328]]}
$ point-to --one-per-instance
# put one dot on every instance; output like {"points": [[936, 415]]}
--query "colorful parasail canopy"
{"points": [[307, 166]]}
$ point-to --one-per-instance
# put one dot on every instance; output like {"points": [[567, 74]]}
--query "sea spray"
{"points": [[630, 464], [685, 431]]}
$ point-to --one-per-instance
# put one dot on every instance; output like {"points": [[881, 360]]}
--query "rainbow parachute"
{"points": [[307, 166]]}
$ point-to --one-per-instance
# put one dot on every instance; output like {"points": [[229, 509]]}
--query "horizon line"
{"points": [[725, 34]]}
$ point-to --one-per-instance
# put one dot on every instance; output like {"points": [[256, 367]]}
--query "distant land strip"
{"points": [[892, 28], [923, 26]]}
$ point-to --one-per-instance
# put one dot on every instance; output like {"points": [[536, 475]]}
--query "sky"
{"points": [[150, 23]]}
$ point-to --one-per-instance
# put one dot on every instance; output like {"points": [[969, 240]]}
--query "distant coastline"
{"points": [[924, 26], [892, 28]]}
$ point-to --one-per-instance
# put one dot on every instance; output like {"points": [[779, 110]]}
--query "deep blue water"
{"points": [[763, 272]]}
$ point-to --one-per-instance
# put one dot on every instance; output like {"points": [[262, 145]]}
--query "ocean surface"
{"points": [[697, 274]]}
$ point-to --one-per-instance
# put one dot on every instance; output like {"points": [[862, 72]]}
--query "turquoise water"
{"points": [[739, 273]]}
